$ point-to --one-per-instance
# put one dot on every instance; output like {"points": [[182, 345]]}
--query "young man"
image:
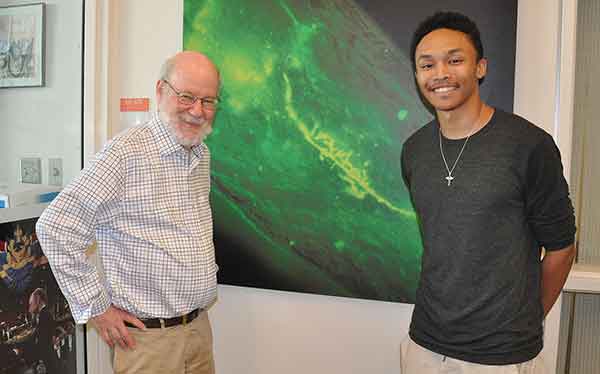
{"points": [[489, 191], [145, 201]]}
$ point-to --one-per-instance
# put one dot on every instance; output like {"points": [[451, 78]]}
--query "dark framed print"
{"points": [[37, 331]]}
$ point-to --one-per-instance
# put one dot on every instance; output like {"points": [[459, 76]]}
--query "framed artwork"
{"points": [[37, 332], [318, 98], [22, 45]]}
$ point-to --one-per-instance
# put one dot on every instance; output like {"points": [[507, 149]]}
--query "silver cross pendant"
{"points": [[449, 178]]}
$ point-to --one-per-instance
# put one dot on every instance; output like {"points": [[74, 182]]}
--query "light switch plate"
{"points": [[55, 172], [31, 170]]}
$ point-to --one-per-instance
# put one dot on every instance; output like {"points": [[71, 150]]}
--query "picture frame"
{"points": [[22, 45]]}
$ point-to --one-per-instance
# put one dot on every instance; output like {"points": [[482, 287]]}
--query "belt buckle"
{"points": [[184, 319]]}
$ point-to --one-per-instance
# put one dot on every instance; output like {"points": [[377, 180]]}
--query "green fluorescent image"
{"points": [[307, 190]]}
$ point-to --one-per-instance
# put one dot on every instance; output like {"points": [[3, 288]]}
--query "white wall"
{"points": [[261, 331], [46, 121]]}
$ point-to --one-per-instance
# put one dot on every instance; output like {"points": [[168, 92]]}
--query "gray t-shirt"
{"points": [[479, 295]]}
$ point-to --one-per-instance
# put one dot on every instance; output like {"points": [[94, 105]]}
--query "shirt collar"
{"points": [[167, 144]]}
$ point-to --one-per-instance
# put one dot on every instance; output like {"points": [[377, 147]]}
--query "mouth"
{"points": [[443, 89], [193, 122]]}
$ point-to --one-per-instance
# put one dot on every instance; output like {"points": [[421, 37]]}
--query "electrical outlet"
{"points": [[31, 170], [55, 172]]}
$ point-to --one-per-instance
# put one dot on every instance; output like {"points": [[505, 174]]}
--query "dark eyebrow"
{"points": [[422, 57], [450, 52]]}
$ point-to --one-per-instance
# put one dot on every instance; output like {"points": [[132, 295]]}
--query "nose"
{"points": [[197, 109], [441, 71]]}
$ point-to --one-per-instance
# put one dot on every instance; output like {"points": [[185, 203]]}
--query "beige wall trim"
{"points": [[99, 97], [584, 279], [101, 74]]}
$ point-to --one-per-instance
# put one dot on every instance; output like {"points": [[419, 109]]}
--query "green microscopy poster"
{"points": [[318, 97]]}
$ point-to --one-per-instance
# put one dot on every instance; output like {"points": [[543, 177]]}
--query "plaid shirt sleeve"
{"points": [[67, 228]]}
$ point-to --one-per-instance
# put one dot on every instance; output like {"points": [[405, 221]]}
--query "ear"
{"points": [[481, 68], [159, 84], [159, 93]]}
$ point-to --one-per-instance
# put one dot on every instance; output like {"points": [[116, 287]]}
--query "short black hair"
{"points": [[446, 20]]}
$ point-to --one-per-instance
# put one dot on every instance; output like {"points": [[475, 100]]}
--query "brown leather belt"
{"points": [[155, 323]]}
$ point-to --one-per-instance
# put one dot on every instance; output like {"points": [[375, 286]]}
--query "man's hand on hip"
{"points": [[111, 327]]}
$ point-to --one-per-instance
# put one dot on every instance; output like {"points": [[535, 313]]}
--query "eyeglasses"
{"points": [[187, 99]]}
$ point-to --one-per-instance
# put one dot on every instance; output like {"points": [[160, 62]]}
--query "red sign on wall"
{"points": [[135, 104]]}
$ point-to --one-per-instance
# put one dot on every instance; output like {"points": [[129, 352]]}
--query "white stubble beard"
{"points": [[204, 130]]}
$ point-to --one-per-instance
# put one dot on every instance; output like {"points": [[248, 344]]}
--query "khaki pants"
{"points": [[415, 359], [182, 349]]}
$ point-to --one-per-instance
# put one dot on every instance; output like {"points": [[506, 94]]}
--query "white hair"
{"points": [[167, 68]]}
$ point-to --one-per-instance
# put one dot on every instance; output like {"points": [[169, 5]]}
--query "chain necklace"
{"points": [[449, 177]]}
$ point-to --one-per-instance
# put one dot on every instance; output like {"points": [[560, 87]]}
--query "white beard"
{"points": [[188, 141], [204, 130]]}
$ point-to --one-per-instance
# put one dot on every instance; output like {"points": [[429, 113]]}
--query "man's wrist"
{"points": [[100, 305]]}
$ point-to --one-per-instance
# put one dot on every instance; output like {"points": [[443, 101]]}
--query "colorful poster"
{"points": [[37, 332], [318, 97]]}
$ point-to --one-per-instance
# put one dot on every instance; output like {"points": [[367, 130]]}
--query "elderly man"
{"points": [[144, 199]]}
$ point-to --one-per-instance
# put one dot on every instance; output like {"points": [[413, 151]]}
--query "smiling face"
{"points": [[448, 70], [195, 75]]}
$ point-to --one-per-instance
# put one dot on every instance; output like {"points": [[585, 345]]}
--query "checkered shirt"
{"points": [[144, 199]]}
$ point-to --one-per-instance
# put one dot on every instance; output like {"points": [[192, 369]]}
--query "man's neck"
{"points": [[466, 120]]}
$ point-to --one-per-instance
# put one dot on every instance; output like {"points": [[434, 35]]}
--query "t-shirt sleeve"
{"points": [[549, 209]]}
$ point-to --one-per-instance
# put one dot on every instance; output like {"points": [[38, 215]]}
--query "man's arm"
{"points": [[67, 228], [555, 269], [550, 215]]}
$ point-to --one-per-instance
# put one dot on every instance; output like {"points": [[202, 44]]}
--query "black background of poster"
{"points": [[497, 23]]}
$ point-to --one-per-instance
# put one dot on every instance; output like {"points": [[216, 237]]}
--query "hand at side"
{"points": [[111, 327]]}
